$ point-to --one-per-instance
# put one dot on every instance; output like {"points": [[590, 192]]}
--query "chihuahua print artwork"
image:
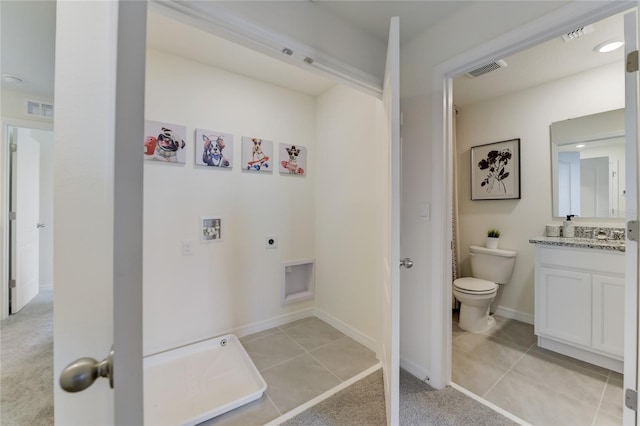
{"points": [[214, 149], [293, 159], [164, 142], [257, 154]]}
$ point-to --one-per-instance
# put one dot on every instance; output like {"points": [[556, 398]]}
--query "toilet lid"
{"points": [[474, 285]]}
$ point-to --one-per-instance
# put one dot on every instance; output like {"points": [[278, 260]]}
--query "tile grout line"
{"points": [[274, 404], [604, 389], [316, 359], [304, 351], [325, 367], [282, 362], [506, 372], [317, 347]]}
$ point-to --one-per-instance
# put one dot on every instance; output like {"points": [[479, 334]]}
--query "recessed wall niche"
{"points": [[298, 281]]}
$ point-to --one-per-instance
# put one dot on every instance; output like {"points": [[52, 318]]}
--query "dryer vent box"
{"points": [[298, 281]]}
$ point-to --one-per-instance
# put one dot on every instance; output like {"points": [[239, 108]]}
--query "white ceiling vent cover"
{"points": [[39, 109], [577, 33], [486, 69]]}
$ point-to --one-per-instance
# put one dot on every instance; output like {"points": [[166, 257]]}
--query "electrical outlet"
{"points": [[187, 248], [271, 242]]}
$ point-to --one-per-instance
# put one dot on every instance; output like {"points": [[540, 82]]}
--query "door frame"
{"points": [[5, 188], [536, 32]]}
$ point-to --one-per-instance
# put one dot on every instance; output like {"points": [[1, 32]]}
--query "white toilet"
{"points": [[489, 268]]}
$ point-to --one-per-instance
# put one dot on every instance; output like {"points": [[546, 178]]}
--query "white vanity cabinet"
{"points": [[579, 303]]}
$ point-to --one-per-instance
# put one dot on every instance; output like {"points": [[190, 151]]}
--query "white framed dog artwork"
{"points": [[257, 154], [164, 142], [293, 159], [214, 149]]}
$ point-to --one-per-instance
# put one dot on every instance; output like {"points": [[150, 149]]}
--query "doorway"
{"points": [[30, 209], [447, 124]]}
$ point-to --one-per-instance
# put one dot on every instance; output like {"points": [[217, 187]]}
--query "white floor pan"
{"points": [[188, 385]]}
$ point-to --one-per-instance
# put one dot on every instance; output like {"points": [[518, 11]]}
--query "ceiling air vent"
{"points": [[486, 68], [577, 33], [39, 109]]}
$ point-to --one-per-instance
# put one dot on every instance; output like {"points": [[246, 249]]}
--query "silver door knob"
{"points": [[81, 373], [40, 225], [406, 262]]}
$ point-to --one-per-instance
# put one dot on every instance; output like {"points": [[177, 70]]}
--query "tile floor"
{"points": [[505, 366], [299, 361]]}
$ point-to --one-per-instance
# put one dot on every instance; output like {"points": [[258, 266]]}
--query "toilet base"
{"points": [[475, 319]]}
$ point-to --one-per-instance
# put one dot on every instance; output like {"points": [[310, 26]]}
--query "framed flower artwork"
{"points": [[495, 171]]}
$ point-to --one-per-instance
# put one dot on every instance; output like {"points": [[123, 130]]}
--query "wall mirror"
{"points": [[587, 166]]}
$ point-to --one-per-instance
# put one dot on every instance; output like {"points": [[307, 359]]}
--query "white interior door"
{"points": [[26, 231], [594, 187], [632, 185], [99, 86], [391, 293]]}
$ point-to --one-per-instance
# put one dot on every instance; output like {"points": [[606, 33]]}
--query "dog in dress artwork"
{"points": [[292, 164], [212, 155]]}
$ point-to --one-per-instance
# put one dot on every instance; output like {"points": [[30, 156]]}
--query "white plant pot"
{"points": [[491, 242]]}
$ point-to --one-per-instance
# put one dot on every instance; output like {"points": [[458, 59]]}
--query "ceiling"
{"points": [[28, 33], [546, 62], [184, 40], [373, 16]]}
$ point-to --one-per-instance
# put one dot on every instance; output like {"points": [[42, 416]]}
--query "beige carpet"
{"points": [[362, 404], [26, 386], [26, 364]]}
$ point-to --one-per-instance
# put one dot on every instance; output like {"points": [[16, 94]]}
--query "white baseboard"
{"points": [[414, 369], [256, 327], [356, 335], [516, 315]]}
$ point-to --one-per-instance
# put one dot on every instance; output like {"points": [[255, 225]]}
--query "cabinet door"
{"points": [[608, 314], [563, 305]]}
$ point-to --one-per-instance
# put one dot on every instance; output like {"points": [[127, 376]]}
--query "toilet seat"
{"points": [[476, 286]]}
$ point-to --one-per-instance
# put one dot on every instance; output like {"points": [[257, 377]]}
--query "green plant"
{"points": [[493, 233]]}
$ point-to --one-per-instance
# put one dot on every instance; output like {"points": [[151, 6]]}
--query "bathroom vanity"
{"points": [[579, 298]]}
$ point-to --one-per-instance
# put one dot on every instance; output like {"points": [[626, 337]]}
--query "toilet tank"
{"points": [[492, 264]]}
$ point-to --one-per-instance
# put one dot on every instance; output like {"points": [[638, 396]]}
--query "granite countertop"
{"points": [[615, 245]]}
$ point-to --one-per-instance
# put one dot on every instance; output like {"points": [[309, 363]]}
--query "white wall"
{"points": [[526, 115], [235, 282], [346, 209], [329, 214]]}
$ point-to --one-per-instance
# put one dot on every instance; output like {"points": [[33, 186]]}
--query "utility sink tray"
{"points": [[193, 383]]}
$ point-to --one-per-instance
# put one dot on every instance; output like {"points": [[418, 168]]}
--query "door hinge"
{"points": [[631, 399], [12, 216], [632, 61], [12, 283], [13, 147], [633, 228]]}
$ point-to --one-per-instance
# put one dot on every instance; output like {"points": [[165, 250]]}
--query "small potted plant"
{"points": [[493, 236]]}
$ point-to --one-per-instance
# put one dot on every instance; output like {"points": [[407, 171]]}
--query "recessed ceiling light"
{"points": [[11, 79], [580, 145], [608, 46]]}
